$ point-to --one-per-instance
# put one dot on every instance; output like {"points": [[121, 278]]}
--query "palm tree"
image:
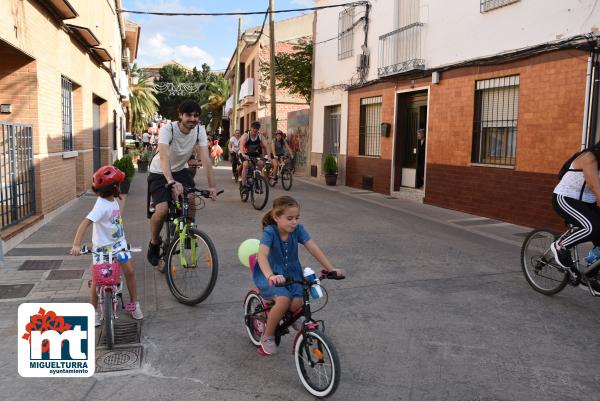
{"points": [[218, 92], [143, 102]]}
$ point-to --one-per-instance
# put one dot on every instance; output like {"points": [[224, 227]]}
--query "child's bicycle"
{"points": [[283, 172], [316, 359], [187, 254], [107, 275], [545, 275], [257, 188]]}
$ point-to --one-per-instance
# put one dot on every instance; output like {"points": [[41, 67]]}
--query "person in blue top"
{"points": [[278, 259]]}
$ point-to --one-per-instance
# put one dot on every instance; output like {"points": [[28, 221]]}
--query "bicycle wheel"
{"points": [[109, 319], [192, 267], [540, 269], [255, 317], [272, 180], [286, 179], [260, 193], [317, 363], [244, 195]]}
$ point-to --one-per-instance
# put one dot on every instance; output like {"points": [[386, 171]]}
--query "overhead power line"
{"points": [[355, 3]]}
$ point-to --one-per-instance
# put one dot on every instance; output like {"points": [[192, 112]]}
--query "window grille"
{"points": [[369, 136], [67, 113], [488, 5], [345, 33], [495, 124]]}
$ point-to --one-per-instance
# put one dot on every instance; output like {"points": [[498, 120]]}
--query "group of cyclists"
{"points": [[252, 145]]}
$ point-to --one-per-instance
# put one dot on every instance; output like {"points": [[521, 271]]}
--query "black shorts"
{"points": [[157, 182]]}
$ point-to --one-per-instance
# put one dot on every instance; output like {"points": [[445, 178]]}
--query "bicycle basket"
{"points": [[106, 273]]}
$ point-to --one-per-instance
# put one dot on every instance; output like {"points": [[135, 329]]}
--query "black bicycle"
{"points": [[545, 275], [187, 254], [283, 173], [317, 361], [256, 188]]}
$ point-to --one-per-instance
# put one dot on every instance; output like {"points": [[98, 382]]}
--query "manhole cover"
{"points": [[40, 265], [126, 332], [15, 290], [64, 274], [119, 359]]}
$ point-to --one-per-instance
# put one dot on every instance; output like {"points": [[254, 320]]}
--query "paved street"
{"points": [[435, 307]]}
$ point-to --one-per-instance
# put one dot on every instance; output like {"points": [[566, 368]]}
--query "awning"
{"points": [[85, 34], [62, 9], [101, 53]]}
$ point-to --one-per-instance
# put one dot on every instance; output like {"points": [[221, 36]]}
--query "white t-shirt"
{"points": [[182, 146], [235, 144], [108, 225], [146, 137]]}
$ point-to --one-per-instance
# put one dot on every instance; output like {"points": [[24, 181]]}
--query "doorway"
{"points": [[96, 131], [411, 115]]}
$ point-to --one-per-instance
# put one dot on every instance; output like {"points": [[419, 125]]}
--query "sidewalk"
{"points": [[497, 230]]}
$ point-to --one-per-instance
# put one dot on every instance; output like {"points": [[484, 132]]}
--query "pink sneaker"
{"points": [[267, 346]]}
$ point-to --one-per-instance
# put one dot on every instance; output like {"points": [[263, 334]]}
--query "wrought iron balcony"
{"points": [[400, 50]]}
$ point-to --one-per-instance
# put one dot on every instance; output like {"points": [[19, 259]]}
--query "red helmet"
{"points": [[106, 177]]}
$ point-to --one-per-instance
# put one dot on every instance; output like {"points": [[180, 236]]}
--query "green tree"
{"points": [[217, 93], [143, 101], [168, 103], [293, 71]]}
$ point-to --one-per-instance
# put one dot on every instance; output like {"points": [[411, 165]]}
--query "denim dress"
{"points": [[283, 258]]}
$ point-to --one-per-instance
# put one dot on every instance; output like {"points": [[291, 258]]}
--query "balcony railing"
{"points": [[400, 50], [247, 88]]}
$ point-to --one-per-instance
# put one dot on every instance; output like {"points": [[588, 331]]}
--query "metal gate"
{"points": [[331, 141], [17, 191]]}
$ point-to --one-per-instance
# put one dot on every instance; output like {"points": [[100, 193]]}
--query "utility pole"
{"points": [[272, 69], [236, 84]]}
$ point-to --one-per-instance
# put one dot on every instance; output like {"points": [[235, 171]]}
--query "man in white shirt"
{"points": [[169, 172], [234, 150], [146, 139]]}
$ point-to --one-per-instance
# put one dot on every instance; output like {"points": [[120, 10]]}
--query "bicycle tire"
{"points": [[537, 263], [244, 195], [315, 344], [260, 187], [286, 179], [109, 319], [207, 265], [255, 317]]}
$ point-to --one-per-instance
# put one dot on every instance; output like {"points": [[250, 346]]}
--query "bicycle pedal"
{"points": [[130, 307]]}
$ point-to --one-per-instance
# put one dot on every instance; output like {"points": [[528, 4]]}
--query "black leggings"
{"points": [[585, 216], [234, 161]]}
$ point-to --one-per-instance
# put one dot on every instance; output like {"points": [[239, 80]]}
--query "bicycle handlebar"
{"points": [[324, 275]]}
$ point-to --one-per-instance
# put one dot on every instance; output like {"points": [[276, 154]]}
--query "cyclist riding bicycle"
{"points": [[252, 145], [576, 199], [280, 148], [169, 172]]}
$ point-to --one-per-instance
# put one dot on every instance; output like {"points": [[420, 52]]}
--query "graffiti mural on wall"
{"points": [[297, 135]]}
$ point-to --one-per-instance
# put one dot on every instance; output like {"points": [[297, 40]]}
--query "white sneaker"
{"points": [[97, 318], [137, 313]]}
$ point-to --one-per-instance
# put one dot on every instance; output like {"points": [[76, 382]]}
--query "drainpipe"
{"points": [[595, 98], [586, 107]]}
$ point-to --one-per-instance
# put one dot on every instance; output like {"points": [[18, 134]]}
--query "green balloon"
{"points": [[247, 248]]}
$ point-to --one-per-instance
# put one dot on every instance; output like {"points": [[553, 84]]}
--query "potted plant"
{"points": [[125, 164], [331, 169], [143, 161]]}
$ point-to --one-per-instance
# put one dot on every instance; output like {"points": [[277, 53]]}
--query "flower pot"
{"points": [[125, 186], [142, 167], [330, 179]]}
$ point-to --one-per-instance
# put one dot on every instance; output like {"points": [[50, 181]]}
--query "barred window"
{"points": [[495, 124], [369, 135], [345, 33], [488, 5], [67, 113]]}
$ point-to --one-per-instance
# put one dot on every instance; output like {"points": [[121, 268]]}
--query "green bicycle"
{"points": [[188, 255]]}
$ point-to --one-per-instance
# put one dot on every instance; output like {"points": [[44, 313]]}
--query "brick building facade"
{"points": [[64, 91], [548, 108]]}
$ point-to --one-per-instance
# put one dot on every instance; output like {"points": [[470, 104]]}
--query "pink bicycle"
{"points": [[317, 362]]}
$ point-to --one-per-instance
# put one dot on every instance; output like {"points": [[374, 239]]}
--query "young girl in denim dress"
{"points": [[278, 259]]}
